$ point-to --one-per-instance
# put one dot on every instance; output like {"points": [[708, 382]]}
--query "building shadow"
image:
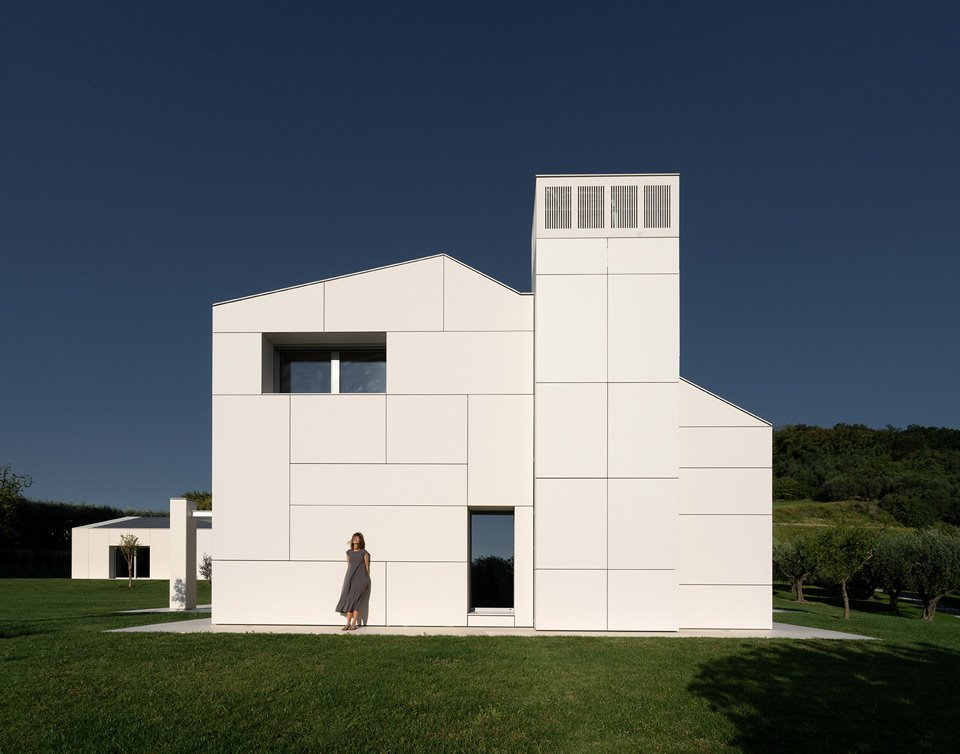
{"points": [[833, 696]]}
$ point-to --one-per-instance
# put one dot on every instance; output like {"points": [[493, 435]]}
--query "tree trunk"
{"points": [[894, 599], [846, 600], [129, 573], [929, 606], [797, 588]]}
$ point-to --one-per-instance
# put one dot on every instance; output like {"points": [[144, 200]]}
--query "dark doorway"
{"points": [[141, 563], [491, 559]]}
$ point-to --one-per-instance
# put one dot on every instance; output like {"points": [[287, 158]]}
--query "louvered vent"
{"points": [[590, 206], [623, 206], [557, 207], [656, 206]]}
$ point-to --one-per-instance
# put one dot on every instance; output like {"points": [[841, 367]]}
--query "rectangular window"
{"points": [[491, 560], [141, 563], [342, 369]]}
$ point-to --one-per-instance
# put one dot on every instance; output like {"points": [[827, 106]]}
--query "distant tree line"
{"points": [[913, 473], [924, 561]]}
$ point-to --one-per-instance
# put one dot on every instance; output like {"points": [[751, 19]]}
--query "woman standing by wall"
{"points": [[356, 582]]}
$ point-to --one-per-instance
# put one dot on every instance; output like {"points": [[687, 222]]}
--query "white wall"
{"points": [[725, 514], [91, 555], [295, 475]]}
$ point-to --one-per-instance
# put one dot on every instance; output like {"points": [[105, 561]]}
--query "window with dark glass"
{"points": [[491, 560], [332, 370], [141, 563]]}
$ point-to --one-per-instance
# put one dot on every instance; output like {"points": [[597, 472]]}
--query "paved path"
{"points": [[203, 626]]}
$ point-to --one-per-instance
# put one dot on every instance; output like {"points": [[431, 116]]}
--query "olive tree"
{"points": [[891, 566], [794, 561], [839, 553], [129, 544], [936, 568], [206, 567]]}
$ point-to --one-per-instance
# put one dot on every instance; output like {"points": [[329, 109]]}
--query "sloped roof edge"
{"points": [[729, 403], [372, 269]]}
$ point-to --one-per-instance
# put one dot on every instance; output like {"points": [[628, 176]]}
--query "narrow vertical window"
{"points": [[491, 560]]}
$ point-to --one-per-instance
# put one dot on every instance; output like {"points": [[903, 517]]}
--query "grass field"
{"points": [[68, 686], [791, 518]]}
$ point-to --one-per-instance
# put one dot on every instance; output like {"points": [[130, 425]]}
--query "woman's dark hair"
{"points": [[357, 534]]}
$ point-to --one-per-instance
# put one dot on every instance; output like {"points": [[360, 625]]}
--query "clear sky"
{"points": [[157, 157]]}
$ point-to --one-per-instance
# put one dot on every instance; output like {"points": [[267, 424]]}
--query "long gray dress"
{"points": [[355, 583]]}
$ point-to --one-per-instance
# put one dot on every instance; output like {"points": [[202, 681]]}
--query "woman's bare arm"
{"points": [[366, 562]]}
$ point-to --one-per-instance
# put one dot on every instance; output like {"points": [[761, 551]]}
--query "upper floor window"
{"points": [[341, 369]]}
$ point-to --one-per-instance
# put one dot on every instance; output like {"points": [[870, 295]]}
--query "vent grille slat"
{"points": [[557, 207], [623, 206], [590, 206], [656, 206]]}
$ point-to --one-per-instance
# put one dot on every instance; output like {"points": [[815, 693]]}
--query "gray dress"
{"points": [[355, 583]]}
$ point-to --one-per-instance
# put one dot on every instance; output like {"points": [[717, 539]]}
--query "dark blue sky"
{"points": [[156, 157]]}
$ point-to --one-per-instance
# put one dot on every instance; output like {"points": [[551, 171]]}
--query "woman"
{"points": [[356, 582]]}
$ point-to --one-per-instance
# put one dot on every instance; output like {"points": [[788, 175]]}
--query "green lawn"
{"points": [[791, 518], [68, 686]]}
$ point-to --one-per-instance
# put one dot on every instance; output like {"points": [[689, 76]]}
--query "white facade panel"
{"points": [[523, 566], [338, 428], [474, 302], [100, 564], [411, 602], [642, 601], [730, 491], [500, 470], [571, 430], [459, 363], [643, 256], [80, 553], [426, 429], [237, 363], [571, 600], [251, 459], [482, 620], [643, 434], [289, 593], [571, 342], [644, 328], [297, 309], [725, 607], [378, 484], [725, 550], [403, 297], [726, 447], [571, 256], [700, 408], [571, 523], [642, 523], [392, 532]]}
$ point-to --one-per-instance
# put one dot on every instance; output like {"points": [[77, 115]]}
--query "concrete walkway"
{"points": [[203, 626]]}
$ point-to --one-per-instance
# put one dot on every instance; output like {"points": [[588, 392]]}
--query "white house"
{"points": [[95, 550], [519, 459]]}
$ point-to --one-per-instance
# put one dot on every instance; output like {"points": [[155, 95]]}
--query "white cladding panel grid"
{"points": [[642, 524], [642, 601], [726, 447], [237, 363], [642, 256], [622, 205], [523, 566], [500, 443], [643, 338], [79, 553], [725, 549], [347, 428], [402, 297], [251, 471], [290, 593], [461, 363], [571, 340], [297, 309], [474, 302], [392, 532], [643, 433], [379, 484], [426, 429], [571, 430], [726, 491], [725, 606], [426, 594], [571, 524], [571, 600]]}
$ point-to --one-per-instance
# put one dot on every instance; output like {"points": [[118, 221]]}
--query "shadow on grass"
{"points": [[798, 697]]}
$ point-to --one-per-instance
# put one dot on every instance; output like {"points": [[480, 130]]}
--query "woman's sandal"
{"points": [[351, 628], [345, 628]]}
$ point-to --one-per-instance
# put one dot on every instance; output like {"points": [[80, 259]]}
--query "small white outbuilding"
{"points": [[96, 554]]}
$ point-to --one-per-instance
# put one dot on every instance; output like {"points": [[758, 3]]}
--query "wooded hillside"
{"points": [[913, 473]]}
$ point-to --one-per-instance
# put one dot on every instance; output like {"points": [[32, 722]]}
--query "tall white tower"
{"points": [[606, 437]]}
